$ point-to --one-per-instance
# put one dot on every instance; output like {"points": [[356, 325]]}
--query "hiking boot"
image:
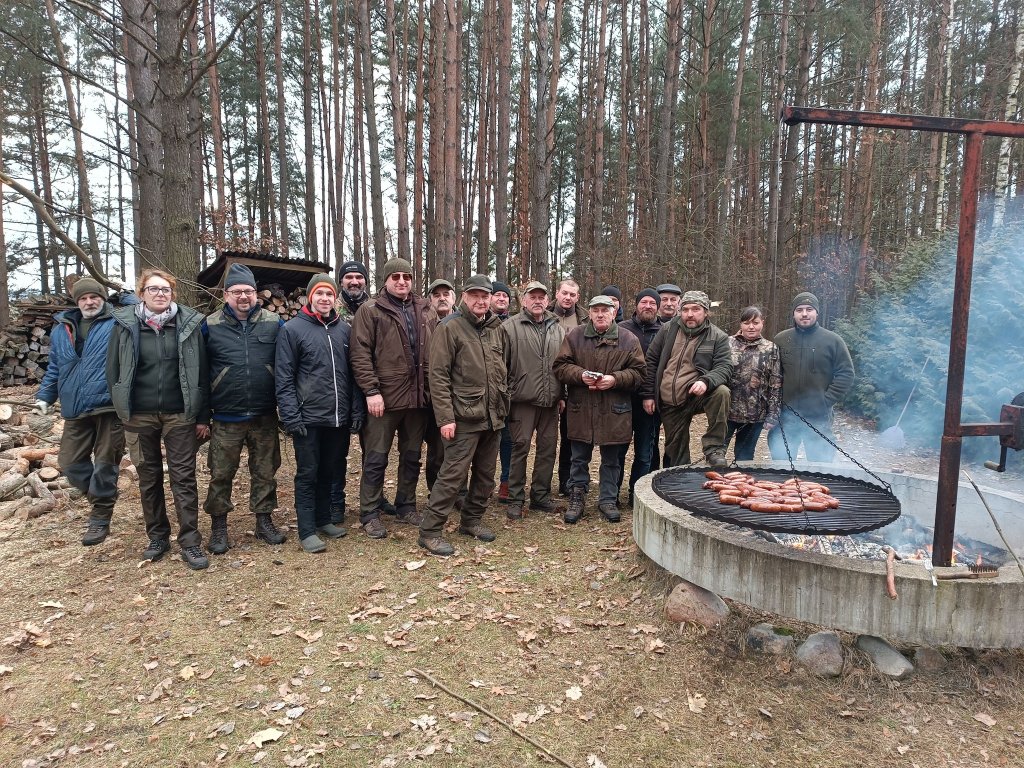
{"points": [[514, 511], [265, 530], [332, 531], [312, 544], [548, 506], [408, 514], [477, 531], [609, 511], [95, 533], [503, 492], [194, 558], [435, 545], [577, 498], [156, 549], [338, 514], [374, 528], [716, 458], [218, 543]]}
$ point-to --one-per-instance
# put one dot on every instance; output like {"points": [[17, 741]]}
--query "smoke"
{"points": [[892, 335]]}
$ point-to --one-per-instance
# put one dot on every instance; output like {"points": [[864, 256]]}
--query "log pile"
{"points": [[274, 298], [25, 342], [30, 482]]}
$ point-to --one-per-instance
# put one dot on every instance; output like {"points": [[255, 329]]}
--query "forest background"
{"points": [[628, 142]]}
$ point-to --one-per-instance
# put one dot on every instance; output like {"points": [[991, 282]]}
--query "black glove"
{"points": [[296, 430], [356, 426]]}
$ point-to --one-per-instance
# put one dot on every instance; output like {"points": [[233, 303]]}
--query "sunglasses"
{"points": [[396, 276]]}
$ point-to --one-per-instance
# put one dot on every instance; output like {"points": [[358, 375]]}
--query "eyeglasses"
{"points": [[154, 290], [243, 292], [396, 276]]}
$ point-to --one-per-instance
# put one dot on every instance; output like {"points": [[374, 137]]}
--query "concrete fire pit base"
{"points": [[845, 593]]}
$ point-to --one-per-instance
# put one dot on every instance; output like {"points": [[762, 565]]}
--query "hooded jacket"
{"points": [[468, 377], [313, 374], [79, 380]]}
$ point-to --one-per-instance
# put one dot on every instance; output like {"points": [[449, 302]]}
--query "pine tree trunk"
{"points": [[398, 122], [372, 139], [666, 125], [283, 170], [216, 123], [503, 41]]}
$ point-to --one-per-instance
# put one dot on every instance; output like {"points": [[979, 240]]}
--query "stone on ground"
{"points": [[929, 659], [822, 654], [763, 638], [694, 604], [884, 657]]}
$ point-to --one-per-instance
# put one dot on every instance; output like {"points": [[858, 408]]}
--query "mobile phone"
{"points": [[593, 374]]}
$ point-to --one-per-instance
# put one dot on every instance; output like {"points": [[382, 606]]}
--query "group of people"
{"points": [[451, 369]]}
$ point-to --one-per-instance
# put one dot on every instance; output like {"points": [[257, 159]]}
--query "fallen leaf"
{"points": [[187, 673], [696, 702], [5, 670], [903, 749], [593, 761], [262, 737], [655, 645], [985, 719], [149, 666], [207, 674], [575, 693], [51, 604], [309, 637], [281, 631], [415, 565], [638, 712], [424, 722], [483, 737]]}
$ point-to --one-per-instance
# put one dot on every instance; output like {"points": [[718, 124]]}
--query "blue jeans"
{"points": [[316, 463], [645, 445], [746, 438], [796, 432], [505, 452]]}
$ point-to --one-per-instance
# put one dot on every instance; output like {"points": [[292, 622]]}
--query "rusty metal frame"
{"points": [[953, 432]]}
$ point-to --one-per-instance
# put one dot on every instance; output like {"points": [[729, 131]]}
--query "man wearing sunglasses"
{"points": [[240, 343], [390, 338]]}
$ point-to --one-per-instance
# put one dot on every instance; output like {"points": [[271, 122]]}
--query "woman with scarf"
{"points": [[157, 373], [756, 384]]}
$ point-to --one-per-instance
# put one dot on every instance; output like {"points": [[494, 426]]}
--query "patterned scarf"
{"points": [[155, 320]]}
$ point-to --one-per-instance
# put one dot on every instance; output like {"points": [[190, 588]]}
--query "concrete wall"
{"points": [[839, 592]]}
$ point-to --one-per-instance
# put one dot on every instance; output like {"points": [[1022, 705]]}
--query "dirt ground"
{"points": [[375, 654]]}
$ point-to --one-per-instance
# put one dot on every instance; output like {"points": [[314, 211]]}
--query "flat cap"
{"points": [[536, 285], [602, 301], [478, 283], [669, 288], [439, 283]]}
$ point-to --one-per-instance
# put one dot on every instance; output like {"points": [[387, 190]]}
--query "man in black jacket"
{"points": [[240, 342]]}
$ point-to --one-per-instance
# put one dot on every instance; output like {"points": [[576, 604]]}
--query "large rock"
{"points": [[822, 654], [694, 604], [764, 638], [885, 658]]}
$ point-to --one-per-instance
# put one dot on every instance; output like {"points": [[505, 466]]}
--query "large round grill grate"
{"points": [[863, 506]]}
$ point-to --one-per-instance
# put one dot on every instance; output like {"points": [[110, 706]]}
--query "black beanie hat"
{"points": [[612, 290], [651, 293], [354, 266], [499, 287]]}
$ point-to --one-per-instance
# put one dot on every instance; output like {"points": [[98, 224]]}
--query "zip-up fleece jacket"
{"points": [[468, 377], [712, 358], [79, 381], [241, 363], [313, 374], [382, 358], [532, 348], [600, 417], [817, 370], [123, 362]]}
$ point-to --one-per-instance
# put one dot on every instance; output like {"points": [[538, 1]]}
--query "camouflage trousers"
{"points": [[259, 435]]}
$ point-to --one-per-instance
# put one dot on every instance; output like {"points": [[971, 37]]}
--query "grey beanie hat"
{"points": [[87, 285], [239, 274], [397, 265]]}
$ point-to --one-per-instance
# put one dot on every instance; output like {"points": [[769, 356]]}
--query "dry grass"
{"points": [[512, 626]]}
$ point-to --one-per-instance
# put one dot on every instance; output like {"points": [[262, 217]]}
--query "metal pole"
{"points": [[949, 454]]}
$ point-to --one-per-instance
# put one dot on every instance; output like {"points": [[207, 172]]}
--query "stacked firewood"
{"points": [[30, 482], [287, 305], [25, 342]]}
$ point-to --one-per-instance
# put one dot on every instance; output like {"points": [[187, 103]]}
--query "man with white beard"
{"points": [[92, 444]]}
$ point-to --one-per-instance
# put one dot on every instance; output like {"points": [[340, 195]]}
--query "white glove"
{"points": [[42, 407]]}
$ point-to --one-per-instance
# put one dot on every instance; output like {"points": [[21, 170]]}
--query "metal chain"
{"points": [[828, 440]]}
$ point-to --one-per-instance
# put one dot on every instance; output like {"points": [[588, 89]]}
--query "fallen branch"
{"points": [[995, 522], [480, 708]]}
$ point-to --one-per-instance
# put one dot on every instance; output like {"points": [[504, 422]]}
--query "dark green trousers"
{"points": [[473, 452]]}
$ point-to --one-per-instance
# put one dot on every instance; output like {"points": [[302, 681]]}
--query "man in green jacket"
{"points": [[469, 392], [817, 372], [689, 365]]}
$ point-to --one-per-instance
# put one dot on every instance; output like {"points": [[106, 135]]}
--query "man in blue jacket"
{"points": [[93, 441], [240, 343]]}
